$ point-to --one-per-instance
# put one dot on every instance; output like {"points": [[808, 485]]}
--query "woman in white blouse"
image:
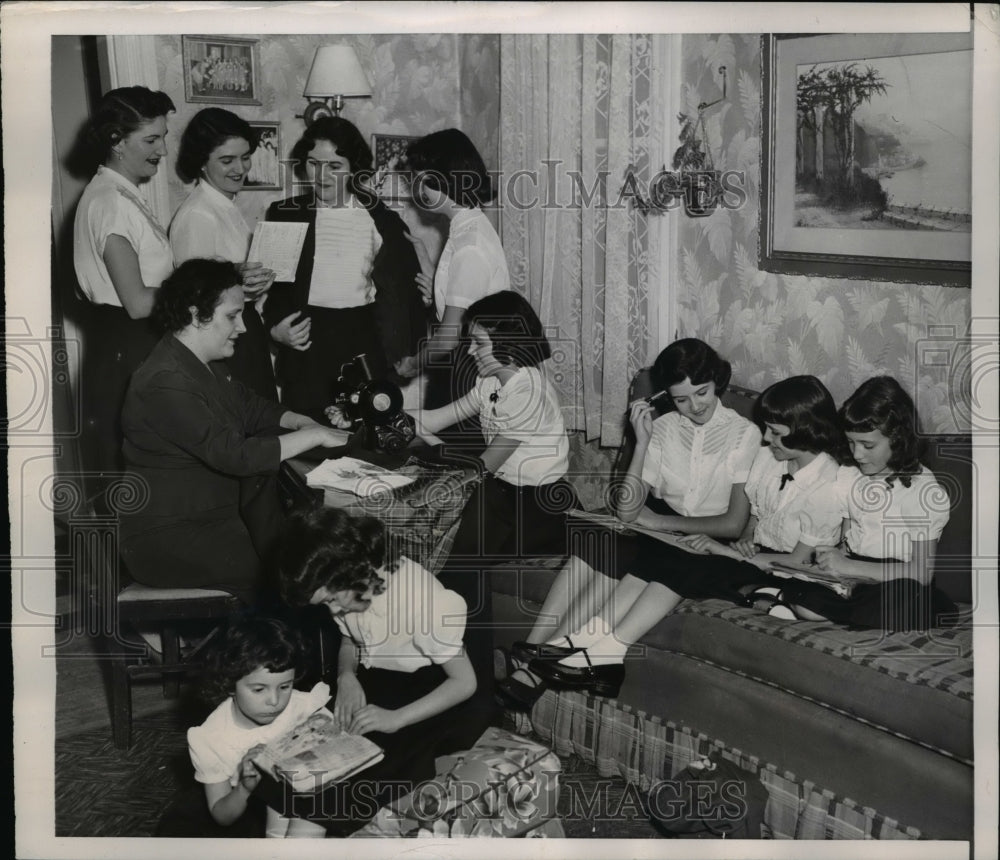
{"points": [[693, 462], [214, 153], [121, 255], [450, 178], [355, 287]]}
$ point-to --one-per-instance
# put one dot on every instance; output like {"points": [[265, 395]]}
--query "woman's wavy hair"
{"points": [[121, 112], [515, 330], [207, 131], [881, 404], [692, 359], [805, 406], [449, 162], [349, 142], [249, 642], [329, 548], [194, 283]]}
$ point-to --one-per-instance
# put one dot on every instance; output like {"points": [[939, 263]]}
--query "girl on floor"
{"points": [[690, 463], [894, 512], [792, 512], [403, 679], [449, 178], [214, 154], [251, 673]]}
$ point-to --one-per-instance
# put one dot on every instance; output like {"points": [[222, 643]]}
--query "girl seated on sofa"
{"points": [[792, 512], [693, 462], [894, 512]]}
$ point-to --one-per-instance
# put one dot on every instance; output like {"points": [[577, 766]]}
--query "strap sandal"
{"points": [[514, 695], [602, 680], [528, 651], [771, 603]]}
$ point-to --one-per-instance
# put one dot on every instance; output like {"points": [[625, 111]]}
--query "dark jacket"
{"points": [[399, 310], [193, 433]]}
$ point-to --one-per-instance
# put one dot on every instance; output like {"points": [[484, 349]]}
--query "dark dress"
{"points": [[386, 330], [207, 449]]}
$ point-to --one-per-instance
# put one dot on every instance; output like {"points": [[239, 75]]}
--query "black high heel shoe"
{"points": [[514, 695], [528, 651], [604, 680]]}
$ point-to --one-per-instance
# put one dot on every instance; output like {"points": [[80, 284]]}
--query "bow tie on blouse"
{"points": [[784, 480]]}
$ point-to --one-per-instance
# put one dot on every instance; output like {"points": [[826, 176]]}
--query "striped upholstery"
{"points": [[644, 749]]}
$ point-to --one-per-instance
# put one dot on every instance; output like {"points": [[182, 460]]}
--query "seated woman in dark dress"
{"points": [[194, 435]]}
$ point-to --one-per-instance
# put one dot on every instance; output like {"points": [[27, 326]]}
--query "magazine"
{"points": [[358, 477], [317, 752], [612, 522], [840, 584]]}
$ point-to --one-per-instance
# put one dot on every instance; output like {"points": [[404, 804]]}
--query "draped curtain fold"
{"points": [[578, 116]]}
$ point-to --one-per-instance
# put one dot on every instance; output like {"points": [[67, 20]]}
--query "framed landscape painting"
{"points": [[866, 156]]}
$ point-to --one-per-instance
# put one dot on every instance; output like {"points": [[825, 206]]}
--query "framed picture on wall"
{"points": [[866, 156], [220, 70], [387, 150], [265, 163]]}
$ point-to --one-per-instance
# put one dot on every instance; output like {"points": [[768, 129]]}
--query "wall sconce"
{"points": [[336, 74]]}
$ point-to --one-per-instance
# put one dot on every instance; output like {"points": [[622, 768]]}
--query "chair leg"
{"points": [[121, 703], [171, 657]]}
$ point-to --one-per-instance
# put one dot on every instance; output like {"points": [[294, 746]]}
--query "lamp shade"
{"points": [[336, 71]]}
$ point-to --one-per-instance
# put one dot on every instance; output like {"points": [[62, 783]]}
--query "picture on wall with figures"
{"points": [[220, 70]]}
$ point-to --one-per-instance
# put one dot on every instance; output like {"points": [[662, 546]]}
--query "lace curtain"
{"points": [[580, 113]]}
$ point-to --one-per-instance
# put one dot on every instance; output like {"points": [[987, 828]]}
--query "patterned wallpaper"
{"points": [[421, 83], [770, 326]]}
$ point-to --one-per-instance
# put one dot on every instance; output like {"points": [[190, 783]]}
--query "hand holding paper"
{"points": [[277, 246]]}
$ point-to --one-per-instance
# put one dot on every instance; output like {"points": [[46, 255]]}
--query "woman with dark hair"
{"points": [[686, 476], [448, 177], [121, 255], [214, 153], [194, 434], [355, 287], [403, 679], [894, 512], [793, 511]]}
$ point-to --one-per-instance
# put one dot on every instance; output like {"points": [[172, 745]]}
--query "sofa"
{"points": [[855, 735]]}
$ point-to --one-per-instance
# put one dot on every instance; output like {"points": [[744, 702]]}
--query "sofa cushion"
{"points": [[918, 686]]}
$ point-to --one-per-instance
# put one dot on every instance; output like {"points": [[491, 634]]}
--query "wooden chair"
{"points": [[165, 610]]}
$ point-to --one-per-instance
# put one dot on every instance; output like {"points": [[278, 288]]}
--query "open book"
{"points": [[356, 476], [612, 522], [840, 584], [317, 752]]}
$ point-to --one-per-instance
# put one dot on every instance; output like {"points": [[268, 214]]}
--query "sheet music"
{"points": [[278, 245]]}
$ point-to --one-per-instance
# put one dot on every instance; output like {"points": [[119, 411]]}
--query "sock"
{"points": [[593, 631], [604, 652]]}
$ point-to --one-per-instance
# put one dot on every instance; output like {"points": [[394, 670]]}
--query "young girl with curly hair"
{"points": [[250, 673]]}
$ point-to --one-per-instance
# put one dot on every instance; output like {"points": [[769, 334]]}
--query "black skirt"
{"points": [[116, 346], [251, 359], [895, 605], [309, 379]]}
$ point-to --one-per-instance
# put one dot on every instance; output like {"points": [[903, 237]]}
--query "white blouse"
{"points": [[525, 409], [218, 745], [415, 622], [884, 520], [346, 244], [111, 205], [805, 511], [208, 224], [693, 467], [472, 264]]}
